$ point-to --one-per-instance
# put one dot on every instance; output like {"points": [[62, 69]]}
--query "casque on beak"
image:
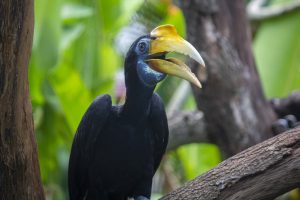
{"points": [[165, 39]]}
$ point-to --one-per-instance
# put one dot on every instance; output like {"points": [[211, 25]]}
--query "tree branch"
{"points": [[287, 106], [189, 126], [186, 127], [257, 11], [179, 97], [261, 172]]}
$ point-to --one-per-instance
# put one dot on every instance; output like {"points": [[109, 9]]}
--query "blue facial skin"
{"points": [[147, 75]]}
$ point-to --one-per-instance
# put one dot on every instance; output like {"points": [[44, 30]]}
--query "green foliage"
{"points": [[277, 50], [74, 59], [197, 159]]}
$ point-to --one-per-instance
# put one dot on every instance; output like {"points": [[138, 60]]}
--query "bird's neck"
{"points": [[137, 104]]}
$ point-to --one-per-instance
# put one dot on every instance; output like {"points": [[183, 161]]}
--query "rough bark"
{"points": [[19, 168], [235, 109], [261, 172]]}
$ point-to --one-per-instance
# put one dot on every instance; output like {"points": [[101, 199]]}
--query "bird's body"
{"points": [[117, 169], [117, 149]]}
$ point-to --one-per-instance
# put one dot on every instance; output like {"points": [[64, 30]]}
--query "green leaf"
{"points": [[71, 11], [128, 9], [72, 93], [277, 50], [198, 158], [110, 63], [45, 46], [190, 103], [69, 36], [176, 18]]}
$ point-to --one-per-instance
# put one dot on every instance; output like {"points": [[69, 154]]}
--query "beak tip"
{"points": [[199, 85], [200, 61]]}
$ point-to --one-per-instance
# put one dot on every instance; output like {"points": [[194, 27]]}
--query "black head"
{"points": [[136, 68]]}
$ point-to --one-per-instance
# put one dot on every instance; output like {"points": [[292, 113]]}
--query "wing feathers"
{"points": [[89, 128]]}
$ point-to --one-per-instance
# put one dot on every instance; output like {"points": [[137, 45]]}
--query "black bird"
{"points": [[117, 149]]}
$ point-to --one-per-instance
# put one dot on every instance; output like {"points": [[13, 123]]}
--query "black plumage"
{"points": [[117, 149]]}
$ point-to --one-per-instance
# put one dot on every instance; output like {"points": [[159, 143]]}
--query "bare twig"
{"points": [[171, 180], [257, 11], [186, 127], [261, 172], [179, 97]]}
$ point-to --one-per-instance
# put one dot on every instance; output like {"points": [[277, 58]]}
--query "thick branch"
{"points": [[186, 127], [261, 172], [189, 126]]}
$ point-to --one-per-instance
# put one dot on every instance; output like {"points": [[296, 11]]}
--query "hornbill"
{"points": [[117, 149]]}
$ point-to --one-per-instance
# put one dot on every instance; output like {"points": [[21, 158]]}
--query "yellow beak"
{"points": [[165, 39]]}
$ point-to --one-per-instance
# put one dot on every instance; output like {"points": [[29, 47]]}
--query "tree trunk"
{"points": [[19, 168], [236, 112]]}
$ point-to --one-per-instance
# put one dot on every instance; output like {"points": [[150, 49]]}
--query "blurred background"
{"points": [[78, 54]]}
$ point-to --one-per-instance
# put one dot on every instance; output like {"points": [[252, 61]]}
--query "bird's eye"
{"points": [[142, 47]]}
